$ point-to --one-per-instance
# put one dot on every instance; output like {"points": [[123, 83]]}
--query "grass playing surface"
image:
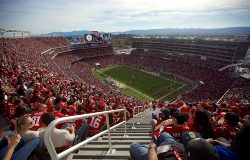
{"points": [[143, 85]]}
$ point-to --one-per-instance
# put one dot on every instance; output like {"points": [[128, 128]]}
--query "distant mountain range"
{"points": [[72, 33], [170, 31]]}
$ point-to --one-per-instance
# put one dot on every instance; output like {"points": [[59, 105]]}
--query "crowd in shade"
{"points": [[39, 88]]}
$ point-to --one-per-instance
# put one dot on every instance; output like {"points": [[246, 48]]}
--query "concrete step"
{"points": [[128, 138], [146, 124], [99, 157], [136, 126], [130, 128], [99, 149], [102, 146], [144, 120], [129, 134], [115, 142], [121, 135], [137, 130], [104, 151]]}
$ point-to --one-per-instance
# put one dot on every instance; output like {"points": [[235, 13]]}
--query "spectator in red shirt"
{"points": [[63, 104], [177, 127], [44, 91], [81, 109], [229, 129], [11, 107], [165, 115], [120, 116], [57, 113], [96, 124], [50, 106], [36, 117], [76, 123], [35, 106]]}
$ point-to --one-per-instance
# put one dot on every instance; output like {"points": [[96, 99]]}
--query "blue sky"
{"points": [[43, 16]]}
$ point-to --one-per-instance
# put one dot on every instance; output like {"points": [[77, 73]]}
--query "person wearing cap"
{"points": [[200, 149]]}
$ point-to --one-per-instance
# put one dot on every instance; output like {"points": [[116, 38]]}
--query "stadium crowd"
{"points": [[210, 83], [197, 131], [36, 89], [30, 89], [239, 92]]}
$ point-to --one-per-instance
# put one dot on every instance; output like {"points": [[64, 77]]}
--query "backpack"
{"points": [[171, 151]]}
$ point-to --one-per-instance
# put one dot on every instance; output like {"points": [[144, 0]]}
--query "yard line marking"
{"points": [[183, 85], [126, 86]]}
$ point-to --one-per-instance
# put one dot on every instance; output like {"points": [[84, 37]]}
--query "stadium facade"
{"points": [[227, 51]]}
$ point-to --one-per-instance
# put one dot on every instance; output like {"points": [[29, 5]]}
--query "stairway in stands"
{"points": [[99, 149]]}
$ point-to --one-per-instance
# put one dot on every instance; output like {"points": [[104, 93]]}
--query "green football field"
{"points": [[141, 84]]}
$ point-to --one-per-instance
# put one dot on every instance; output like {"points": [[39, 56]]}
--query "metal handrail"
{"points": [[136, 115], [51, 148]]}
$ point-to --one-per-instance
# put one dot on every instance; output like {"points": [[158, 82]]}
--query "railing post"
{"points": [[133, 127], [142, 115], [139, 115], [110, 151], [125, 127], [49, 145]]}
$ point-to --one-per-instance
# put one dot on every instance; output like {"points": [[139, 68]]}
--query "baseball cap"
{"points": [[200, 149], [188, 136]]}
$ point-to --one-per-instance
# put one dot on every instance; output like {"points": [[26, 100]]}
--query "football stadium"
{"points": [[180, 94]]}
